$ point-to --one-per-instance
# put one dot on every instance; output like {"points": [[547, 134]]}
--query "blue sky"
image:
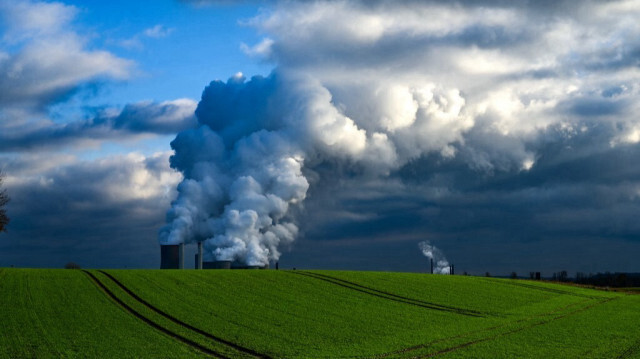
{"points": [[177, 48], [504, 133]]}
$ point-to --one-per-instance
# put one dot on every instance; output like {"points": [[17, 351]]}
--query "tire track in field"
{"points": [[481, 340], [544, 289], [634, 348], [152, 324], [389, 296], [183, 324], [459, 336]]}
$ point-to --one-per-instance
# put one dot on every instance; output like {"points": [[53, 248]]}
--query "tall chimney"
{"points": [[181, 256], [431, 265], [199, 255]]}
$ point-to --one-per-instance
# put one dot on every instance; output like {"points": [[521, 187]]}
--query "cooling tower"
{"points": [[171, 256]]}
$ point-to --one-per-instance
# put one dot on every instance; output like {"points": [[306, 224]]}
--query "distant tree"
{"points": [[514, 275], [72, 265], [4, 199], [563, 276]]}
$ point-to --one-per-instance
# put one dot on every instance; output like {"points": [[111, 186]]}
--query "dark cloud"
{"points": [[134, 120], [80, 211]]}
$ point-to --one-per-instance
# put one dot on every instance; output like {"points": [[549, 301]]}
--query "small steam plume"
{"points": [[441, 265]]}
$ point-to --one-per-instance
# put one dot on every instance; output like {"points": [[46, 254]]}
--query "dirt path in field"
{"points": [[147, 321], [183, 324], [389, 296]]}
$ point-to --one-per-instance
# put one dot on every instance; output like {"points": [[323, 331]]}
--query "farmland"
{"points": [[48, 313]]}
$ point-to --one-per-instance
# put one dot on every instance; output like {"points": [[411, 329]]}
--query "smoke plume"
{"points": [[243, 165], [441, 265]]}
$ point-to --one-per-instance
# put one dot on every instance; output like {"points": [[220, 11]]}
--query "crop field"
{"points": [[50, 313]]}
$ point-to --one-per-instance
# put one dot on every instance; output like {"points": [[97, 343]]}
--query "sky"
{"points": [[323, 134]]}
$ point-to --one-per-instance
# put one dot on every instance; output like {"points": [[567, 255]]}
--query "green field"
{"points": [[48, 313]]}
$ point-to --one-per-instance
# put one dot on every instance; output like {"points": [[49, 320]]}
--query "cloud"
{"points": [[74, 210], [474, 120], [158, 31], [134, 120], [43, 61]]}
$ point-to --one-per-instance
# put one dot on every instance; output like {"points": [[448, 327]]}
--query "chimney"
{"points": [[199, 255], [171, 256], [431, 265]]}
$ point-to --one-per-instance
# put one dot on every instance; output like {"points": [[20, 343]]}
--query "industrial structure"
{"points": [[172, 257]]}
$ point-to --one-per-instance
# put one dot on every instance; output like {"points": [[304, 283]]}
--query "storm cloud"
{"points": [[493, 124], [503, 132]]}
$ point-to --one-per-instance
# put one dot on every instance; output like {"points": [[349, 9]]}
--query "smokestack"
{"points": [[181, 256], [171, 256], [199, 255], [431, 265]]}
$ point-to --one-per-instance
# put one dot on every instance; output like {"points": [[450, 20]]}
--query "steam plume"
{"points": [[431, 252], [243, 164]]}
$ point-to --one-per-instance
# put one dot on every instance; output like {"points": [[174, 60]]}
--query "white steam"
{"points": [[243, 164], [440, 263]]}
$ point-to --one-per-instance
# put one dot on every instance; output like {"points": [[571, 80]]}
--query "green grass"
{"points": [[311, 314], [61, 314]]}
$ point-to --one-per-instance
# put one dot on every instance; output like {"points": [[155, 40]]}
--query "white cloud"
{"points": [[158, 31], [45, 59]]}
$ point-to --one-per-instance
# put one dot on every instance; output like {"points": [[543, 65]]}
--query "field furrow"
{"points": [[509, 332], [506, 327], [152, 323], [249, 314], [391, 296], [183, 324]]}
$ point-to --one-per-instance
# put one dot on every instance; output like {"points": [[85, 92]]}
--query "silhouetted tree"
{"points": [[4, 199], [563, 276]]}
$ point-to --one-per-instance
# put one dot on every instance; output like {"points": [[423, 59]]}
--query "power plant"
{"points": [[172, 257]]}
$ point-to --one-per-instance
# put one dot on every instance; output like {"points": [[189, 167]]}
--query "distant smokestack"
{"points": [[171, 256], [199, 255], [431, 265]]}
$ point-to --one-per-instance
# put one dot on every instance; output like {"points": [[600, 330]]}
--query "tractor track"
{"points": [[543, 289], [183, 324], [389, 296], [459, 336], [481, 340], [634, 348], [149, 322]]}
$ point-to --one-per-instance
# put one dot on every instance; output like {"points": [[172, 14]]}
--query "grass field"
{"points": [[307, 314]]}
